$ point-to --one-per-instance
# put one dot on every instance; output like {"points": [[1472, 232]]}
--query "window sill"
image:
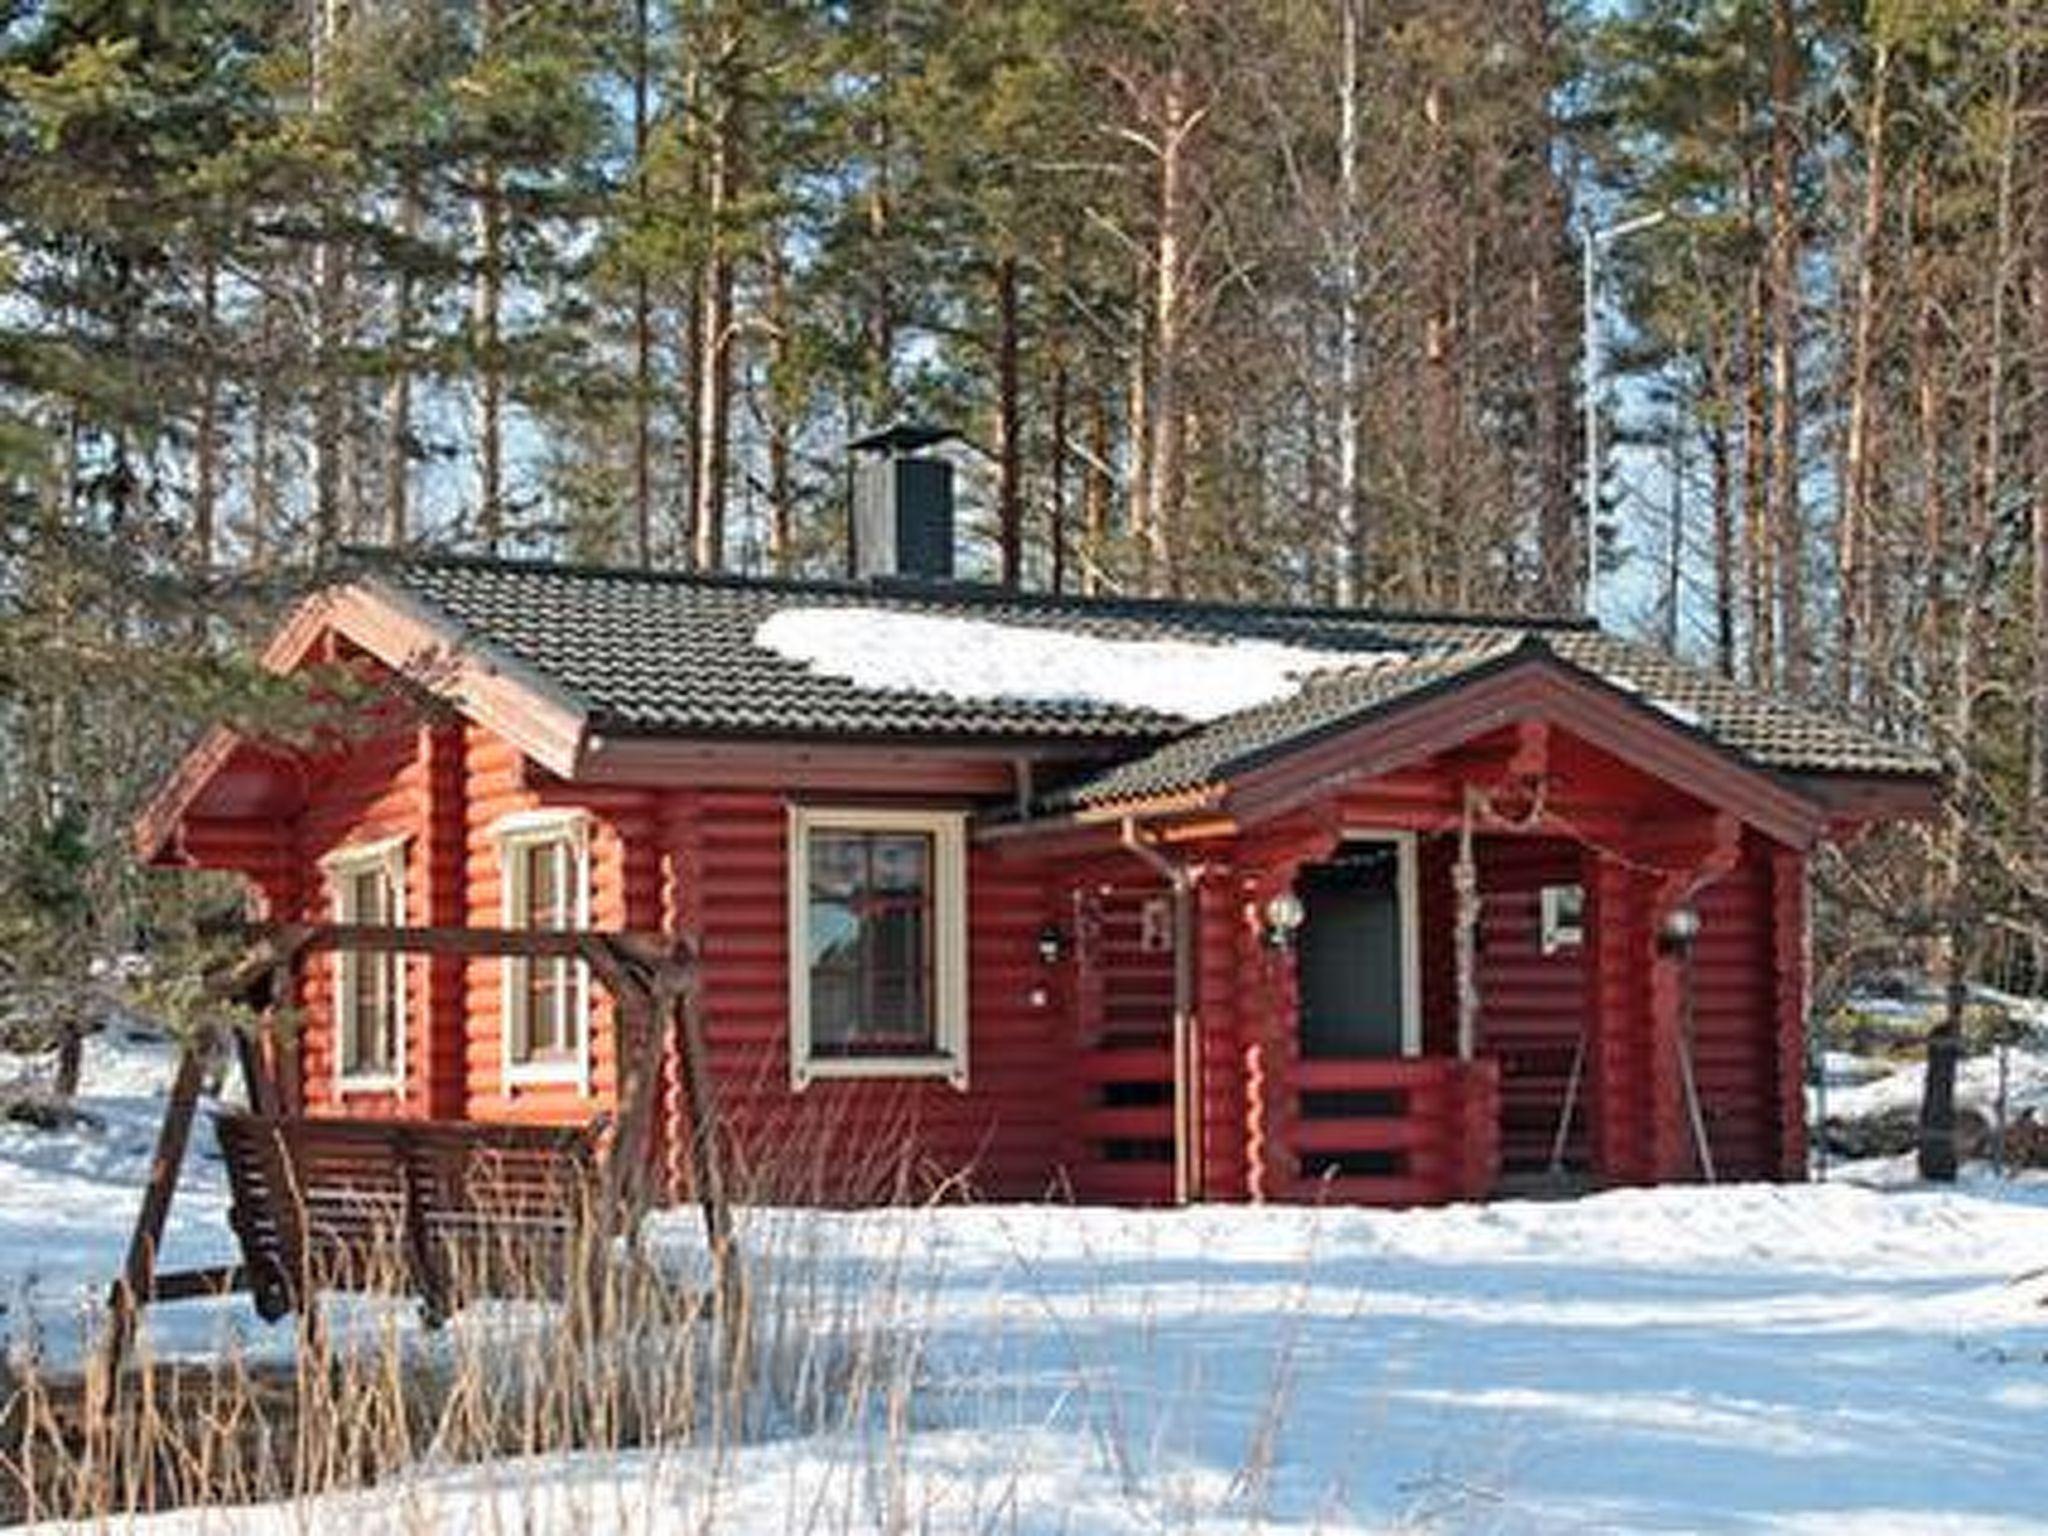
{"points": [[353, 1084], [843, 1068], [546, 1074]]}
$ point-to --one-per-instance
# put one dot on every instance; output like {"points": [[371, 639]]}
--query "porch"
{"points": [[1604, 1004]]}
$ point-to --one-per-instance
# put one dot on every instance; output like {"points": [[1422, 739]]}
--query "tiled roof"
{"points": [[671, 654], [1762, 729]]}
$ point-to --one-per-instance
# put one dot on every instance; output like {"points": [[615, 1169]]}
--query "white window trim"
{"points": [[339, 866], [1408, 883], [514, 834], [1553, 937], [948, 830]]}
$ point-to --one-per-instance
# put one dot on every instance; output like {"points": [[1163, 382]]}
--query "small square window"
{"points": [[1563, 918]]}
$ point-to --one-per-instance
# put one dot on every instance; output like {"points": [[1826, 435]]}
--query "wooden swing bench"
{"points": [[449, 1211]]}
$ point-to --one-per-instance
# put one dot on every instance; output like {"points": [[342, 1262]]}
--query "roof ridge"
{"points": [[959, 593]]}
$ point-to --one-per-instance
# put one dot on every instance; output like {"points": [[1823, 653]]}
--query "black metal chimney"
{"points": [[902, 505]]}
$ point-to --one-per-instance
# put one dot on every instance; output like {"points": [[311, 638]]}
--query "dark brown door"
{"points": [[1349, 953]]}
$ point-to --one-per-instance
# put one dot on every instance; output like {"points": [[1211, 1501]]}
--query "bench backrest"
{"points": [[445, 1208]]}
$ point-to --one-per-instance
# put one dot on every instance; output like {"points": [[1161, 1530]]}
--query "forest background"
{"points": [[1260, 299]]}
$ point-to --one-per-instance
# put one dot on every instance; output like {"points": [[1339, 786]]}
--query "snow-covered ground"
{"points": [[1827, 1358], [68, 1202], [1900, 1088]]}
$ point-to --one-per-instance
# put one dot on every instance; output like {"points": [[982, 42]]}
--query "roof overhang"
{"points": [[546, 722], [1533, 683]]}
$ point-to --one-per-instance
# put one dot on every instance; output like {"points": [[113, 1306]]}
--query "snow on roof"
{"points": [[964, 658]]}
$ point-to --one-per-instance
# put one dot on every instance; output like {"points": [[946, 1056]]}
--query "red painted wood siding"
{"points": [[378, 789], [1738, 1017], [624, 893], [839, 1140], [1533, 1007]]}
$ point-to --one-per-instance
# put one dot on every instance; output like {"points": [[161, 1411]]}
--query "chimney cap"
{"points": [[901, 437]]}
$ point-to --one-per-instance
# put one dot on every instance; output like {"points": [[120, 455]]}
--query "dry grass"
{"points": [[629, 1403], [607, 1347]]}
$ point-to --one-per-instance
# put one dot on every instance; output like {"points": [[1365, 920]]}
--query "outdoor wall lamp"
{"points": [[1052, 944], [1284, 916], [1680, 927]]}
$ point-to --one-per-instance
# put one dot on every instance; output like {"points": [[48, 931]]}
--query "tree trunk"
{"points": [[1009, 428], [327, 302], [1674, 546], [1095, 493], [206, 431], [643, 303], [398, 392], [781, 484], [1056, 509], [263, 508], [1756, 558], [1439, 382], [1178, 121], [70, 1066], [1852, 535], [1983, 506], [2037, 440], [881, 316], [715, 304], [1138, 436], [487, 319], [1786, 517], [1721, 456], [1353, 556]]}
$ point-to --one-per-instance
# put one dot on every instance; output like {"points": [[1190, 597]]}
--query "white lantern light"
{"points": [[1284, 915]]}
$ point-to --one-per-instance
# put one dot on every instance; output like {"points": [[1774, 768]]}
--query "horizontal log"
{"points": [[1365, 1073], [190, 1284], [1146, 1122], [592, 944], [1390, 1135]]}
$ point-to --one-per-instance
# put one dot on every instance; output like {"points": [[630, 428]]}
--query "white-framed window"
{"points": [[1562, 912], [877, 944], [544, 859], [366, 885]]}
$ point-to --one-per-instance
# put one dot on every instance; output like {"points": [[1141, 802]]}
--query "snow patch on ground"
{"points": [[979, 659], [1829, 1357], [68, 1201], [1901, 1089]]}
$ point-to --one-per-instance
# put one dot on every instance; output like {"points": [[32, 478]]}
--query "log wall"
{"points": [[1069, 1086]]}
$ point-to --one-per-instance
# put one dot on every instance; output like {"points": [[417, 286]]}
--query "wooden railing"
{"points": [[1126, 1123], [1406, 1131]]}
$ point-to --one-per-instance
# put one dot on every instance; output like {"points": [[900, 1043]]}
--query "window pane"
{"points": [[870, 959], [834, 933], [369, 1029], [547, 998], [900, 862], [546, 987], [839, 862], [545, 885]]}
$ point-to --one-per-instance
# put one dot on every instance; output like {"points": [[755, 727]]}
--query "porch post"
{"points": [[1671, 1148], [1465, 935], [1792, 956], [1619, 1094], [1219, 1073]]}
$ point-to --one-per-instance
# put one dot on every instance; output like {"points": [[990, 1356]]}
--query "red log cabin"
{"points": [[1113, 900]]}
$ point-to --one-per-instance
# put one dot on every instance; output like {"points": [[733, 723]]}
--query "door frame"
{"points": [[1407, 898]]}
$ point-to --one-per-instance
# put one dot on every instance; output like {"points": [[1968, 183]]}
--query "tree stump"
{"points": [[1938, 1104]]}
